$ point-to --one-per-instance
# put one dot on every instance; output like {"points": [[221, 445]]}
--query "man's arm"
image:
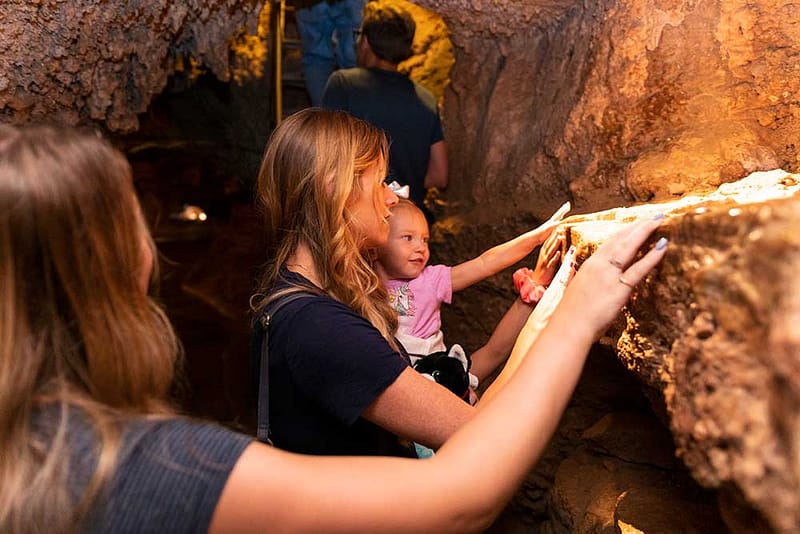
{"points": [[436, 175]]}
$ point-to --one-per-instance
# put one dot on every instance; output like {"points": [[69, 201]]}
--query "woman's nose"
{"points": [[390, 198]]}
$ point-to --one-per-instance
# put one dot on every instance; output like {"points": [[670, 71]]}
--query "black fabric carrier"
{"points": [[260, 358], [448, 371]]}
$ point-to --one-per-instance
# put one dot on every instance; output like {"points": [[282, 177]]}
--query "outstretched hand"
{"points": [[605, 280], [544, 230], [549, 257], [532, 284]]}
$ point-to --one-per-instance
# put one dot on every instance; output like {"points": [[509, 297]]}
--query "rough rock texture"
{"points": [[605, 387], [75, 62], [601, 102], [714, 332], [625, 479], [608, 102]]}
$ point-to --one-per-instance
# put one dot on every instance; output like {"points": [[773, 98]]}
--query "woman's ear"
{"points": [[329, 184]]}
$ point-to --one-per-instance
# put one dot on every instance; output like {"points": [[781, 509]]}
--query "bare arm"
{"points": [[502, 256], [487, 358], [436, 175], [507, 333], [283, 492], [536, 322], [419, 409]]}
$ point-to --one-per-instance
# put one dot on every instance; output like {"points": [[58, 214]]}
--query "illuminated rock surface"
{"points": [[602, 103], [614, 102], [713, 334]]}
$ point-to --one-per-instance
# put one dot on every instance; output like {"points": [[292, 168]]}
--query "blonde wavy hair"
{"points": [[308, 179], [78, 335]]}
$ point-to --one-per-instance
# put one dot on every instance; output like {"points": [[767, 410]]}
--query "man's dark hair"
{"points": [[389, 30]]}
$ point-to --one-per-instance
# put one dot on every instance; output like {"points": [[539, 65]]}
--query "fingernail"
{"points": [[661, 243], [658, 216]]}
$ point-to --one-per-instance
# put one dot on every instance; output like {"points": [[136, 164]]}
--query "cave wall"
{"points": [[609, 102], [615, 103], [604, 103], [712, 334], [93, 61]]}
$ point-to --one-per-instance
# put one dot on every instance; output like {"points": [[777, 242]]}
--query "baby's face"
{"points": [[406, 253]]}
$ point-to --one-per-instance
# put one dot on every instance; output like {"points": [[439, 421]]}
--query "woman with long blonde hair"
{"points": [[89, 442], [339, 383]]}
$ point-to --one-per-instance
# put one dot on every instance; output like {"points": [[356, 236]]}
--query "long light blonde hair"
{"points": [[308, 178], [78, 335]]}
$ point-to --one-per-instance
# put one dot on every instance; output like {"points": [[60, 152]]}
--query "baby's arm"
{"points": [[487, 358], [502, 256]]}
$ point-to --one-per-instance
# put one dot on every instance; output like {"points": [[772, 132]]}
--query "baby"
{"points": [[417, 290]]}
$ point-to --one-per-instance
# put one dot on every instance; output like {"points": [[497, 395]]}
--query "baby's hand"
{"points": [[549, 257], [532, 284], [545, 229]]}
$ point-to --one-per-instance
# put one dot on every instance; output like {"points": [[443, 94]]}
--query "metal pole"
{"points": [[276, 16]]}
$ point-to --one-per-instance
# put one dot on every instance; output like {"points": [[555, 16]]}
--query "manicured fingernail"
{"points": [[661, 243], [658, 216]]}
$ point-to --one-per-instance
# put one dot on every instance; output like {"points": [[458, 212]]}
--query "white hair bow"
{"points": [[401, 191]]}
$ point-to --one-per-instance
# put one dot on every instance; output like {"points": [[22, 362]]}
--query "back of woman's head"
{"points": [[76, 327], [308, 178]]}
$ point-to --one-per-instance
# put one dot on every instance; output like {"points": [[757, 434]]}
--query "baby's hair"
{"points": [[405, 204]]}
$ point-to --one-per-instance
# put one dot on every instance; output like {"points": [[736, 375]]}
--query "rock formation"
{"points": [[610, 102], [77, 62], [602, 103], [712, 332]]}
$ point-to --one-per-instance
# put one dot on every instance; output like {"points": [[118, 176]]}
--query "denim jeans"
{"points": [[326, 32]]}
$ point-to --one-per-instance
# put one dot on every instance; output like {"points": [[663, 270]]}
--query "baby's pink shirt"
{"points": [[418, 301]]}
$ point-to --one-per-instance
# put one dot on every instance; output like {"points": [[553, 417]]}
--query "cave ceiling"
{"points": [[94, 61]]}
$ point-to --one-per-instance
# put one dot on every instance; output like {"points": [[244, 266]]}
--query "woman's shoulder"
{"points": [[306, 304], [170, 474], [157, 440], [296, 297], [320, 314], [180, 430]]}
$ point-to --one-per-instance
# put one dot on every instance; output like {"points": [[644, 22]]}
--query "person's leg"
{"points": [[346, 16], [316, 33]]}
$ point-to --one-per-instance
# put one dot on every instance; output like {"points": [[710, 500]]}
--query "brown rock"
{"points": [[603, 494], [713, 331], [608, 103], [112, 57]]}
